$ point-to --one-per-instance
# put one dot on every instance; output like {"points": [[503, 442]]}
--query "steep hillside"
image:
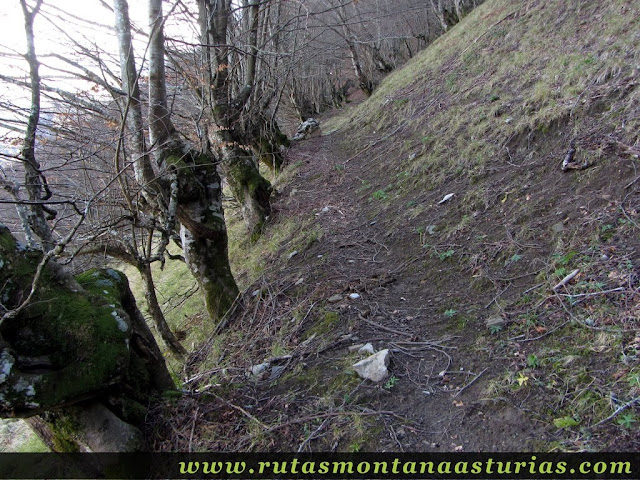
{"points": [[441, 203]]}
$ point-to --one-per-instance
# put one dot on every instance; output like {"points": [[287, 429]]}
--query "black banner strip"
{"points": [[536, 466]]}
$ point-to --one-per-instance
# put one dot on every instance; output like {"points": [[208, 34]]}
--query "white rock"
{"points": [[374, 368], [368, 349], [446, 198], [293, 254], [354, 296]]}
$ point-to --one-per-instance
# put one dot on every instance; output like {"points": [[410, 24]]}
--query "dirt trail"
{"points": [[437, 382]]}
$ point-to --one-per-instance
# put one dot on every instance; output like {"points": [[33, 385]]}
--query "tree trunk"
{"points": [[157, 314], [35, 181], [439, 12], [197, 186], [364, 82], [239, 165]]}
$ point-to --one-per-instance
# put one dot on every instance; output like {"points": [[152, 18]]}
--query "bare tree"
{"points": [[77, 358], [186, 187], [227, 95]]}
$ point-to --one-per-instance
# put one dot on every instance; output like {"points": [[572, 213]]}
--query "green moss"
{"points": [[327, 323], [64, 430]]}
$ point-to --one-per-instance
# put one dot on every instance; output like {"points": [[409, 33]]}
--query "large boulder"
{"points": [[307, 127], [72, 345]]}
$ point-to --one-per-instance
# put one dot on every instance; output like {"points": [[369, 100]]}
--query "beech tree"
{"points": [[239, 128], [77, 358], [178, 182]]}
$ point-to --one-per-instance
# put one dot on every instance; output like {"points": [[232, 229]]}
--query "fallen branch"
{"points": [[593, 294]]}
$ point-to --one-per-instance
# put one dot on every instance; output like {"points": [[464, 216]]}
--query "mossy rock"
{"points": [[66, 345]]}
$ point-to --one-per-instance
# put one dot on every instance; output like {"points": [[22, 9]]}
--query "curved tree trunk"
{"points": [[192, 187], [157, 314]]}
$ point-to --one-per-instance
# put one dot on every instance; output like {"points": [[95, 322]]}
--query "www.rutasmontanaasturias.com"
{"points": [[399, 467]]}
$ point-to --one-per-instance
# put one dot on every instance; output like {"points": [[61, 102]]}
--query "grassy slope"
{"points": [[488, 112]]}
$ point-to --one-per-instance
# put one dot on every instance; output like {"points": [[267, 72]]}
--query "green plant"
{"points": [[533, 361], [354, 447], [514, 259], [450, 313], [607, 232], [566, 422], [380, 195], [444, 255], [634, 380], [364, 185], [627, 420], [389, 384], [522, 379], [494, 329]]}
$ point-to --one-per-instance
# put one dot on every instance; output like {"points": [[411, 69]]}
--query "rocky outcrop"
{"points": [[88, 347]]}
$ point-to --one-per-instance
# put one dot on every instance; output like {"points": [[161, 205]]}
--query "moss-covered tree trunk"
{"points": [[248, 186], [226, 106], [268, 141], [82, 361], [192, 186], [203, 231]]}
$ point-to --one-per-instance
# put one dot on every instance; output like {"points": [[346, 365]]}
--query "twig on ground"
{"points": [[566, 279], [193, 428], [471, 382], [545, 334], [314, 434], [593, 294], [382, 327], [618, 411]]}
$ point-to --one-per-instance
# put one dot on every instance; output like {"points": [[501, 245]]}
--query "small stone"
{"points": [[258, 370], [374, 368], [356, 348], [367, 349], [354, 296], [335, 299], [293, 254], [495, 322], [255, 293], [299, 282]]}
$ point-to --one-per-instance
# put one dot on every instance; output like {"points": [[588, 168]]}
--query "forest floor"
{"points": [[473, 367]]}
